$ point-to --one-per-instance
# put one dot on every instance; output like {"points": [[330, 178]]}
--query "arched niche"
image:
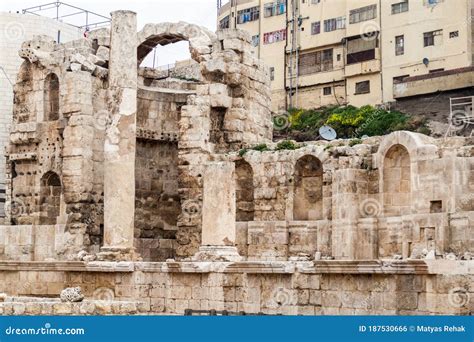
{"points": [[51, 97], [397, 181], [308, 189], [50, 198]]}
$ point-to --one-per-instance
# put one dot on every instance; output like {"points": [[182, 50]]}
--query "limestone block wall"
{"points": [[64, 107], [157, 202], [400, 195], [56, 144], [284, 240], [14, 30], [32, 243], [322, 288]]}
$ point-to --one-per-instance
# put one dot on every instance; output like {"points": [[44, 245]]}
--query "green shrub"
{"points": [[260, 147], [242, 152], [286, 145], [350, 121], [354, 142]]}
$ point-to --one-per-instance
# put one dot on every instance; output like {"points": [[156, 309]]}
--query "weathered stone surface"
{"points": [[72, 294], [108, 161]]}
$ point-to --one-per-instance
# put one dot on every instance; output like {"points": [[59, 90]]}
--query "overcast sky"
{"points": [[201, 12]]}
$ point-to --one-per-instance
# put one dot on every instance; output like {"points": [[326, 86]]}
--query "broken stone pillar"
{"points": [[218, 214], [120, 139]]}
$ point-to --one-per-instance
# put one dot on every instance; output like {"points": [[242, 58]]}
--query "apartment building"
{"points": [[359, 52]]}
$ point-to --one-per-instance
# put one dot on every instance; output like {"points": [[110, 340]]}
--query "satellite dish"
{"points": [[426, 61], [365, 136], [327, 133]]}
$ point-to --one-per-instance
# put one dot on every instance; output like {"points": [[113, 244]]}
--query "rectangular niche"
{"points": [[436, 207], [216, 134]]}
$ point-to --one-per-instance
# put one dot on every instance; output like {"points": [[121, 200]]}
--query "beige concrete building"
{"points": [[358, 52]]}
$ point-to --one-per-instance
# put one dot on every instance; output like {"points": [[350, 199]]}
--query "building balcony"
{"points": [[434, 82], [361, 68]]}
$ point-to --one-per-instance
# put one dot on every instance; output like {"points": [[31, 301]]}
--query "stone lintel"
{"points": [[250, 267]]}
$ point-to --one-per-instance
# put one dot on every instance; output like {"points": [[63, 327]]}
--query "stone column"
{"points": [[218, 214], [120, 139]]}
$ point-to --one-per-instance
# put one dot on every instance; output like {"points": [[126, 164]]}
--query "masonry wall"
{"points": [[14, 29], [157, 201], [243, 289]]}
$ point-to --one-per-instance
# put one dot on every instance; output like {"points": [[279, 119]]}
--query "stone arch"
{"points": [[200, 39], [308, 189], [419, 146], [397, 181], [50, 198], [51, 97], [244, 191]]}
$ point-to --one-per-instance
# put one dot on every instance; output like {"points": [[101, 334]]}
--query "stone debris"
{"points": [[430, 255], [72, 294], [450, 256]]}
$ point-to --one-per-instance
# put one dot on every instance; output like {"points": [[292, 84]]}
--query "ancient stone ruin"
{"points": [[145, 192]]}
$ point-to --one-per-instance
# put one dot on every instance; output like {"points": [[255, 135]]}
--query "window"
{"points": [[256, 40], [400, 7], [51, 98], [362, 87], [399, 45], [429, 38], [314, 62], [274, 37], [360, 49], [272, 73], [338, 57], [327, 91], [334, 24], [249, 14], [224, 23], [315, 2], [275, 8], [316, 27], [400, 79], [454, 34], [362, 14]]}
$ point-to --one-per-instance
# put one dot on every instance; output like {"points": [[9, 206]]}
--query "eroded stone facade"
{"points": [[148, 190]]}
